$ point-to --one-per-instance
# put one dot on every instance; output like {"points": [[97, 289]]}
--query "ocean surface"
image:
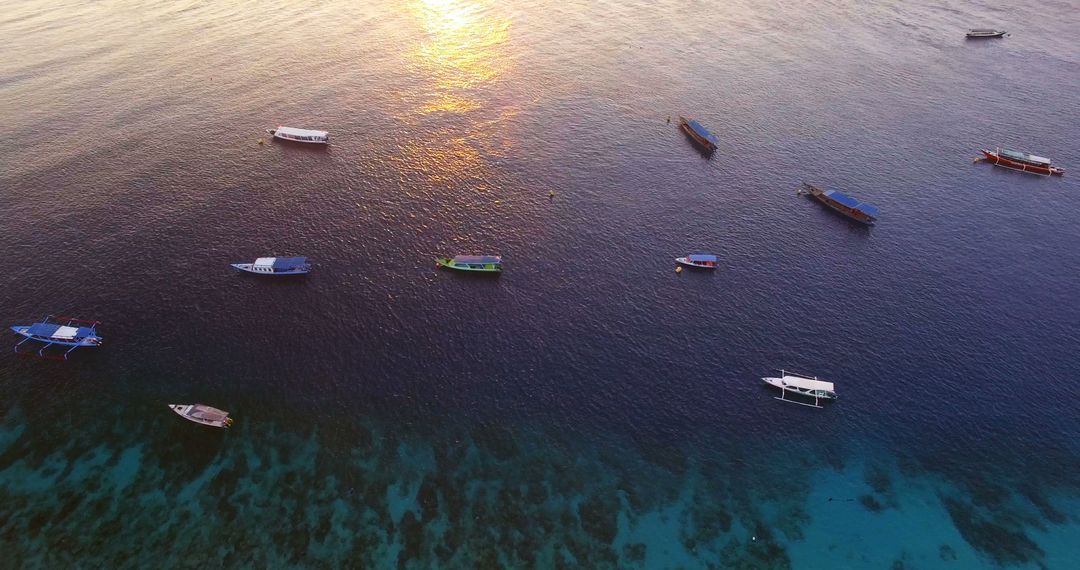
{"points": [[590, 407]]}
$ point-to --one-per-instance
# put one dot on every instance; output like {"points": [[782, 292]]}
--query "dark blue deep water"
{"points": [[589, 408]]}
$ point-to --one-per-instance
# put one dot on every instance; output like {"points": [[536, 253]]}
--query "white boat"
{"points": [[301, 135], [809, 386], [275, 266], [202, 414]]}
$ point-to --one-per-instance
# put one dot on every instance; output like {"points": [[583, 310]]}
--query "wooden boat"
{"points": [[301, 135], [699, 133], [203, 414], [809, 386], [1022, 161], [840, 202], [698, 260], [62, 331], [275, 266], [980, 33], [478, 263]]}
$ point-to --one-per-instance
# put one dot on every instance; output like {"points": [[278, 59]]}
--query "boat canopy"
{"points": [[1016, 155], [477, 259], [852, 203], [702, 131], [291, 132], [288, 262], [59, 332], [701, 257], [807, 383]]}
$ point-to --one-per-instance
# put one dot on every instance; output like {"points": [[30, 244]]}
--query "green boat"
{"points": [[480, 263]]}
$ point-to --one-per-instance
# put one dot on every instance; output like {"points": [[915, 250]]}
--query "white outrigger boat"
{"points": [[202, 414], [301, 135], [275, 266], [808, 386]]}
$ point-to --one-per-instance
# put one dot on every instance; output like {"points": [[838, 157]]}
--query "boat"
{"points": [[203, 414], [479, 263], [62, 331], [698, 260], [1022, 161], [301, 135], [846, 205], [699, 134], [809, 386], [979, 33], [276, 266]]}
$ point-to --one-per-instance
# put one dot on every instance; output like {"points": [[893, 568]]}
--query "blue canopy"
{"points": [[43, 329], [702, 131], [289, 262], [852, 203], [701, 257]]}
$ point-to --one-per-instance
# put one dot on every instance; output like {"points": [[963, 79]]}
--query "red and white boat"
{"points": [[1022, 161]]}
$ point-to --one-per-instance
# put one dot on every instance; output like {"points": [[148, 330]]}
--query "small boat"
{"points": [[300, 135], [808, 386], [276, 266], [1022, 161], [202, 414], [846, 205], [480, 263], [62, 331], [698, 260], [985, 33], [699, 134]]}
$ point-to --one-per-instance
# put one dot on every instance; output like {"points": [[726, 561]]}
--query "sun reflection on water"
{"points": [[464, 48]]}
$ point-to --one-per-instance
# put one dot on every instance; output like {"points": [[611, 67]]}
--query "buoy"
{"points": [[260, 141], [551, 194], [497, 202], [669, 119], [678, 269]]}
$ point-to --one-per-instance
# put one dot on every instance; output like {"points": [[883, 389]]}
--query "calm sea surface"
{"points": [[589, 408]]}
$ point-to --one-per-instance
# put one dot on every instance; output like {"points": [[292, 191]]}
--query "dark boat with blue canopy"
{"points": [[62, 331], [478, 263], [699, 133], [846, 205], [276, 266], [698, 260]]}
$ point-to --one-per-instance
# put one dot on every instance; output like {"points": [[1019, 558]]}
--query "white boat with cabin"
{"points": [[203, 414], [809, 386], [275, 266], [301, 135]]}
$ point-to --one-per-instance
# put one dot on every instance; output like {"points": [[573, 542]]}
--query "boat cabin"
{"points": [[478, 261], [701, 260], [301, 135], [1024, 157], [844, 204]]}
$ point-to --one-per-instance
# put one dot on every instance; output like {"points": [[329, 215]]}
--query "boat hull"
{"points": [[220, 419], [686, 262], [247, 268], [998, 160], [779, 383], [273, 132]]}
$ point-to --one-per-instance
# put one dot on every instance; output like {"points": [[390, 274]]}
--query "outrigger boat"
{"points": [[480, 263], [203, 414], [1021, 161], [808, 386], [699, 134], [62, 331], [275, 266], [698, 260], [300, 135], [980, 33], [846, 205]]}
